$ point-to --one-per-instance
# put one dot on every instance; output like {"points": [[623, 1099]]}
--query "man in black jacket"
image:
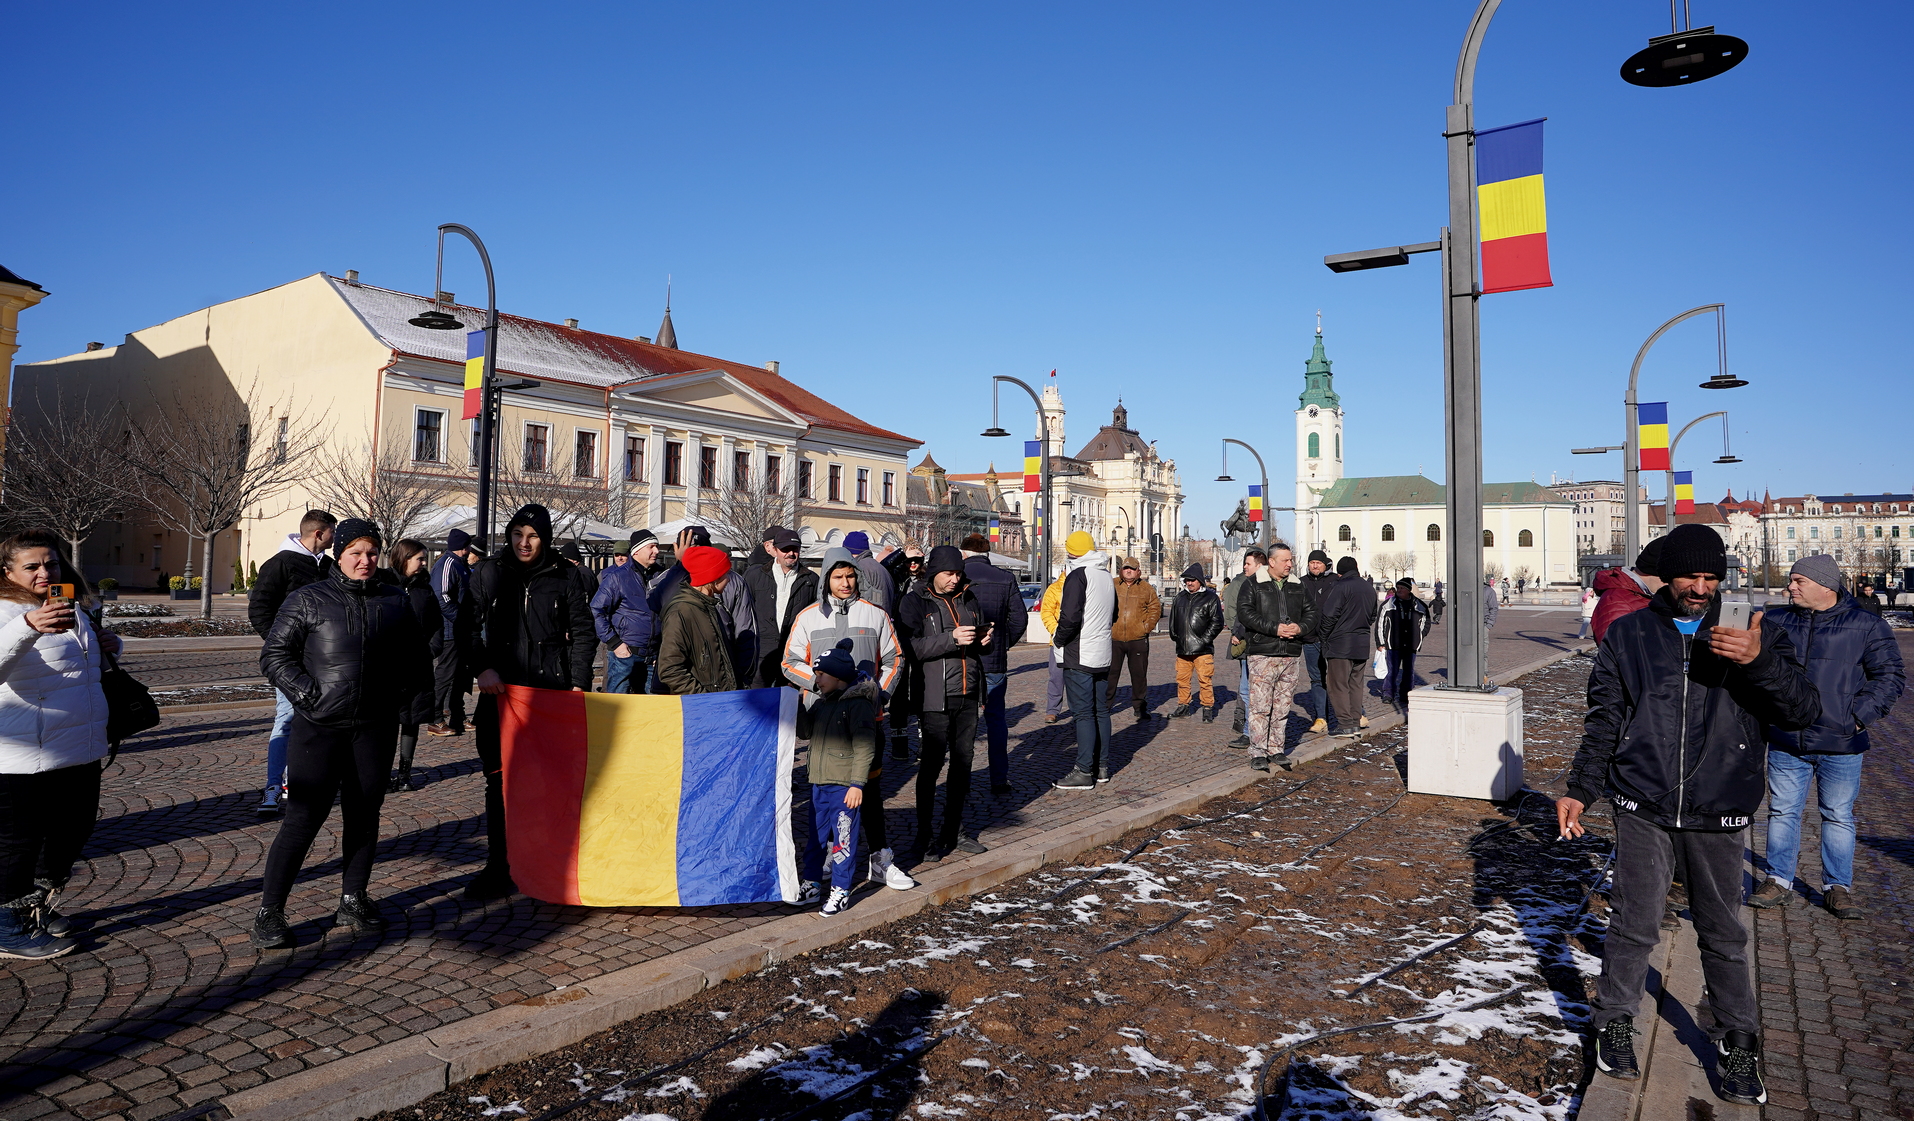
{"points": [[1196, 618], [450, 575], [302, 559], [1400, 627], [945, 628], [1278, 619], [1003, 609], [779, 591], [1348, 610], [525, 621], [1317, 580], [1673, 735], [905, 567]]}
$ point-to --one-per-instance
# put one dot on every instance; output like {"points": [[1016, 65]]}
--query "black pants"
{"points": [[871, 810], [451, 687], [905, 701], [45, 820], [408, 745], [492, 761], [350, 764], [949, 732], [1343, 677], [1135, 655]]}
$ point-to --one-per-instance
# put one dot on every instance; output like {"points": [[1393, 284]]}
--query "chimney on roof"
{"points": [[91, 347], [572, 323], [644, 339], [771, 366], [352, 276]]}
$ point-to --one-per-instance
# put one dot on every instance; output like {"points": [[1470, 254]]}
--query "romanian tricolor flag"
{"points": [[650, 801], [1651, 426], [1684, 492], [1508, 173], [1256, 504], [474, 373], [996, 533], [1036, 511], [1032, 466]]}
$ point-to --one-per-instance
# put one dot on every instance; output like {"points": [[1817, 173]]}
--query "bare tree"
{"points": [[385, 488], [65, 471], [741, 511], [202, 461], [571, 500], [1390, 566]]}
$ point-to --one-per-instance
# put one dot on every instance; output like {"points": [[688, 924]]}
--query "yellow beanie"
{"points": [[1079, 543]]}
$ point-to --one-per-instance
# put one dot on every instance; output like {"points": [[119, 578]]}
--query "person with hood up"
{"points": [[1002, 604], [352, 654], [526, 620], [1317, 580], [1082, 634], [451, 574], [779, 591], [1278, 618], [735, 610], [905, 568], [621, 611], [302, 559], [1138, 610], [1850, 654], [1196, 618], [841, 615], [949, 637], [1348, 611], [1673, 736], [694, 652], [1626, 590], [874, 578], [1401, 626], [839, 716]]}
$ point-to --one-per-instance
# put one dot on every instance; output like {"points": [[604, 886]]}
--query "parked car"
{"points": [[1031, 594]]}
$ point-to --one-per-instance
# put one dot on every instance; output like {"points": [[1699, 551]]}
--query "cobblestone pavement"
{"points": [[1835, 999], [158, 669], [168, 1005]]}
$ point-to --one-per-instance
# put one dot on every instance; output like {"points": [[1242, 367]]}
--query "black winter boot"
{"points": [[270, 929], [359, 913]]}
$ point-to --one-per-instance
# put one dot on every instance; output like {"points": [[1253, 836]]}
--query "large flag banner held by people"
{"points": [[650, 801]]}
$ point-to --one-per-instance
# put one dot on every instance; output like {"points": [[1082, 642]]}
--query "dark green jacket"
{"points": [[693, 654], [842, 729]]}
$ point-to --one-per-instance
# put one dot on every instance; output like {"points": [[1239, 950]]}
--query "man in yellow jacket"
{"points": [[1049, 607], [1137, 612]]}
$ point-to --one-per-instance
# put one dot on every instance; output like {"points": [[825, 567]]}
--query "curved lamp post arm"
{"points": [[1631, 430], [1669, 510], [1263, 537], [1043, 467], [488, 407], [1471, 47]]}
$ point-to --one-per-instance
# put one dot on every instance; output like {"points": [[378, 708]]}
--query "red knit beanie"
{"points": [[705, 565]]}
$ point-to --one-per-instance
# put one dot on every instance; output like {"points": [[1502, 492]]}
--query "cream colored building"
{"points": [[651, 432], [16, 295]]}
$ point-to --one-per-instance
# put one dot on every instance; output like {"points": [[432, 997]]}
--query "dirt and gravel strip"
{"points": [[1187, 971]]}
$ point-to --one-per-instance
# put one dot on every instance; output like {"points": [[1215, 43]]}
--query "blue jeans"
{"points": [[1089, 695], [996, 728], [625, 675], [276, 744], [1837, 780], [1318, 703], [831, 848]]}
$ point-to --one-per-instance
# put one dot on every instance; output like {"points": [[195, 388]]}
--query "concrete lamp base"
{"points": [[1464, 744]]}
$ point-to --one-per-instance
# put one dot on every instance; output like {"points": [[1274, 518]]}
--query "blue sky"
{"points": [[897, 201]]}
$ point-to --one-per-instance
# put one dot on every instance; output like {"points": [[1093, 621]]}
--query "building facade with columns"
{"points": [[634, 432], [16, 295]]}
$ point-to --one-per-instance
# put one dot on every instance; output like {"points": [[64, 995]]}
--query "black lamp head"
{"points": [[1225, 478], [1683, 58], [1724, 381], [993, 432], [436, 320], [1728, 459]]}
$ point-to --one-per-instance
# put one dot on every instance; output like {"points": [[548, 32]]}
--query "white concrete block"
{"points": [[1464, 744]]}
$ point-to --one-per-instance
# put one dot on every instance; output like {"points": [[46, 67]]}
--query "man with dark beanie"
{"points": [[526, 621], [1317, 581], [1003, 608], [450, 576], [1624, 590], [1673, 736], [949, 636], [1342, 633]]}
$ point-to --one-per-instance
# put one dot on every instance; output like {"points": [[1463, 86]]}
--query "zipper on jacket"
{"points": [[1681, 753], [963, 663]]}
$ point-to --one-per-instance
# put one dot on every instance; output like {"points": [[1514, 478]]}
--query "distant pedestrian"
{"points": [[1278, 619], [1589, 599], [587, 579], [622, 615], [946, 630], [1491, 603], [1400, 628], [839, 717], [1138, 610], [451, 574], [352, 654], [1343, 633], [874, 579], [1003, 610], [1196, 618], [1317, 580], [1437, 604], [1625, 590], [1056, 706], [1082, 637], [779, 591], [415, 583], [1851, 657], [1864, 599], [302, 559]]}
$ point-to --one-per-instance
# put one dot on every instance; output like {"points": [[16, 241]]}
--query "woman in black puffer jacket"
{"points": [[413, 577], [353, 658]]}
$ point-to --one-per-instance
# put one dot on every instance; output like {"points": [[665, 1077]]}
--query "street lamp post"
{"points": [[1263, 538], [440, 320], [1725, 457], [1631, 432], [1042, 544]]}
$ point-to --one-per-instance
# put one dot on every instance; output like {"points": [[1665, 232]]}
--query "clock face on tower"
{"points": [[1312, 410]]}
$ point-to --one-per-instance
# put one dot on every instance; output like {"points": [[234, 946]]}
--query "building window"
{"points": [[1814, 533], [1433, 533], [428, 435], [475, 441], [1488, 539], [805, 470], [584, 454], [741, 471], [1837, 533], [1343, 534], [1315, 445], [834, 483], [1877, 533], [863, 486], [1896, 531], [1525, 539], [674, 464], [1338, 445], [635, 458], [538, 449], [773, 474], [1790, 533], [1388, 533], [890, 488], [707, 466], [1790, 556]]}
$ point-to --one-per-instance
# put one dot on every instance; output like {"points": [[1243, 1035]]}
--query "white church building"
{"points": [[1395, 525]]}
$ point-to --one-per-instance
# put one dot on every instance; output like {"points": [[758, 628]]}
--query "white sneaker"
{"points": [[810, 891], [884, 867], [840, 899]]}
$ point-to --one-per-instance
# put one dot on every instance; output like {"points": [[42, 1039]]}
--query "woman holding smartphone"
{"points": [[350, 655], [52, 738]]}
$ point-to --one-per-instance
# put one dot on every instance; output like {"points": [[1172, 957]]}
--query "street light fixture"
{"points": [[1631, 431], [1683, 57], [438, 319], [1263, 535], [996, 429]]}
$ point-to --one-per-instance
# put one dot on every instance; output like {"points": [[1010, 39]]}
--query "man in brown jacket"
{"points": [[1137, 612]]}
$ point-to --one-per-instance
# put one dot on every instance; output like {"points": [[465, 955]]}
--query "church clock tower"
{"points": [[1318, 443]]}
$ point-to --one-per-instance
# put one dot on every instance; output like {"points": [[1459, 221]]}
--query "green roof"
{"points": [[1319, 386], [1416, 490]]}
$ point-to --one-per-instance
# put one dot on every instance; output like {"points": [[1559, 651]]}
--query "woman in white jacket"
{"points": [[52, 738]]}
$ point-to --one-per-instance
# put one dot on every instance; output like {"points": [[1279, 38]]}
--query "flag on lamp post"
{"points": [[1256, 504], [1684, 492], [1514, 213], [1032, 466], [1651, 425], [474, 373], [996, 534]]}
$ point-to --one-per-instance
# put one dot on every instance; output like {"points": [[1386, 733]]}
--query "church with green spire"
{"points": [[1318, 431]]}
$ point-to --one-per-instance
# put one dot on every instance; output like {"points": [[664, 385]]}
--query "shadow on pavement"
{"points": [[888, 1049]]}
